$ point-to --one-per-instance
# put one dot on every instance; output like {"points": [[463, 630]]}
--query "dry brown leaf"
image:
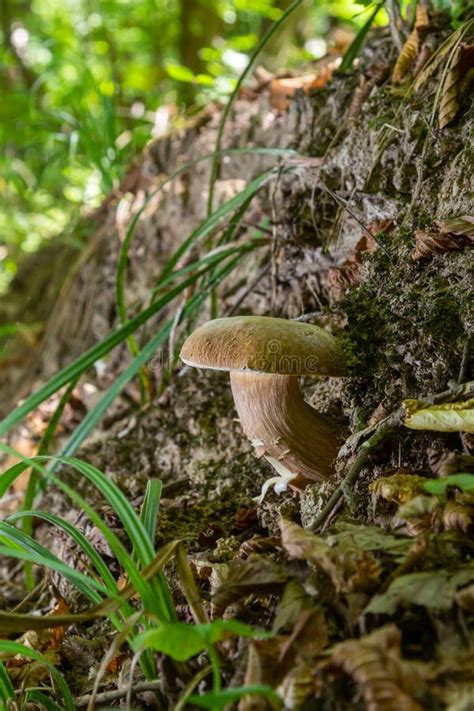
{"points": [[463, 225], [444, 462], [257, 575], [399, 487], [449, 103], [293, 602], [308, 637], [465, 598], [406, 58], [29, 673], [304, 545], [262, 668], [374, 662], [455, 83], [266, 665], [445, 236], [258, 544], [421, 514], [349, 273], [412, 45], [274, 660], [297, 686], [282, 90], [367, 573], [429, 243], [457, 517], [437, 58]]}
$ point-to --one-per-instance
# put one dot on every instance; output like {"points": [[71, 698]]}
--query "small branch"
{"points": [[115, 694], [395, 20], [455, 391], [385, 428], [249, 289], [465, 360], [382, 431], [342, 204]]}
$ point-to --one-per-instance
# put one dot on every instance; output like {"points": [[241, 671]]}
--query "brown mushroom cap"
{"points": [[264, 345]]}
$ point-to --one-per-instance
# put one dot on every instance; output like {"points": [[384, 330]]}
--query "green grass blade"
{"points": [[211, 259], [151, 507], [84, 362], [11, 649], [225, 114], [97, 561], [213, 220], [43, 700], [86, 585], [125, 560], [220, 699], [13, 622], [93, 417], [7, 691], [32, 485], [354, 48]]}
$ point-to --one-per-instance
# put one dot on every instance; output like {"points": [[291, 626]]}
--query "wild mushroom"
{"points": [[265, 356]]}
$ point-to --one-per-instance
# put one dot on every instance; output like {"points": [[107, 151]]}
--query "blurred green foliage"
{"points": [[86, 83]]}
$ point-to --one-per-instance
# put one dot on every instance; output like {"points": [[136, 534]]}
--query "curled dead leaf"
{"points": [[440, 417], [283, 89], [457, 516], [257, 575], [445, 462], [456, 83], [304, 545], [465, 598], [399, 487], [444, 236], [412, 45], [374, 663], [349, 273], [258, 544], [437, 58], [429, 243], [366, 575], [297, 686], [421, 514], [449, 103]]}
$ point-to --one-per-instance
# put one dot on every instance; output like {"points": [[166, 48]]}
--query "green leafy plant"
{"points": [[143, 566], [462, 481]]}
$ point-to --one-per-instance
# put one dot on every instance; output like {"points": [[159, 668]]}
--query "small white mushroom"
{"points": [[265, 357]]}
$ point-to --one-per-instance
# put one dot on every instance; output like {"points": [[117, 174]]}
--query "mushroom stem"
{"points": [[298, 441]]}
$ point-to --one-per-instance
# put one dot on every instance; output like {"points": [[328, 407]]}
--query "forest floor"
{"points": [[368, 592]]}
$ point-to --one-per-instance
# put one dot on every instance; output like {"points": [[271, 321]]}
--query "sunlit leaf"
{"points": [[462, 481], [181, 641], [442, 417]]}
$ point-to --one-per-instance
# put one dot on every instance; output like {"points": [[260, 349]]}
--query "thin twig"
{"points": [[465, 360], [114, 694], [255, 226], [385, 428], [395, 18], [351, 212], [117, 642], [275, 246], [455, 390], [249, 289]]}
